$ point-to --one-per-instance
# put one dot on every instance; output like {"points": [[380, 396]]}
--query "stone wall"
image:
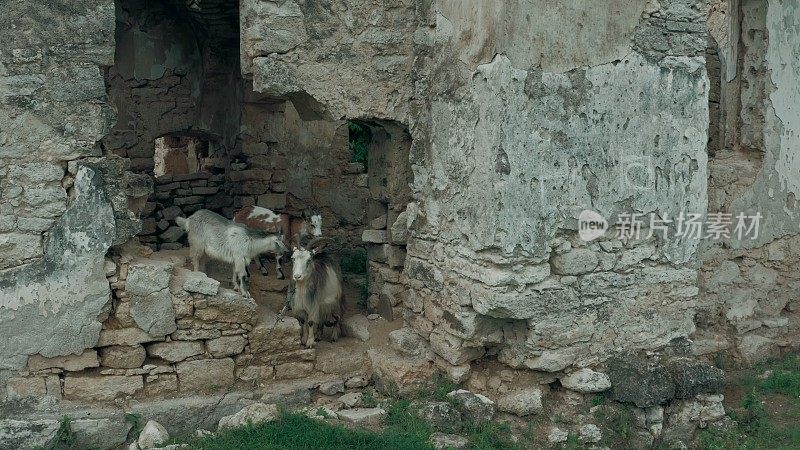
{"points": [[504, 143], [167, 79], [749, 307], [344, 58], [168, 332], [54, 109], [511, 145], [180, 195]]}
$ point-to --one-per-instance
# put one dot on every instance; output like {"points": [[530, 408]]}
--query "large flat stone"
{"points": [[175, 351], [72, 363], [101, 388], [205, 375]]}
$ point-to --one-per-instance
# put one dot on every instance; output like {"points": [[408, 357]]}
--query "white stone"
{"points": [[332, 387], [374, 236], [356, 382], [153, 435], [254, 414], [557, 435], [356, 326], [351, 399], [586, 381], [365, 416], [521, 402], [442, 441], [200, 283], [590, 433]]}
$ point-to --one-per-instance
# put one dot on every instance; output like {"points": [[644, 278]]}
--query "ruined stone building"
{"points": [[492, 127]]}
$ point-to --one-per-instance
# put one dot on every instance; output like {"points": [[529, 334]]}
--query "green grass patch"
{"points": [[768, 416], [784, 379], [438, 390], [296, 431], [491, 435]]}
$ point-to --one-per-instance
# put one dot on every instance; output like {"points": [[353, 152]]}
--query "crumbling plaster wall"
{"points": [[750, 287], [60, 210], [509, 148], [510, 143]]}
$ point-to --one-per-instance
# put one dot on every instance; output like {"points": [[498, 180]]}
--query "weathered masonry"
{"points": [[492, 126]]}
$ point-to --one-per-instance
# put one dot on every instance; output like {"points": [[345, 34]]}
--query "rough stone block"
{"points": [[454, 349], [154, 312], [173, 234], [283, 337], [586, 381], [293, 370], [227, 306], [147, 277], [226, 346], [395, 256], [362, 416], [71, 363], [175, 351], [399, 229], [24, 434], [22, 388], [755, 348], [395, 373], [100, 433], [161, 385], [522, 402], [125, 336], [639, 381], [101, 388], [205, 375], [374, 236], [475, 408], [693, 377], [122, 357], [172, 212], [356, 326], [200, 283], [253, 414], [575, 262], [407, 341]]}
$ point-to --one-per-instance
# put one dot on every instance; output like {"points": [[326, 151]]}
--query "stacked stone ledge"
{"points": [[170, 331]]}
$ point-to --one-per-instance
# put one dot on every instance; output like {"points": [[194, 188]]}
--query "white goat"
{"points": [[218, 238], [317, 298], [294, 229]]}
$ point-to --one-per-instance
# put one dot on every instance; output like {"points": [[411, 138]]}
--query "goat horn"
{"points": [[316, 241]]}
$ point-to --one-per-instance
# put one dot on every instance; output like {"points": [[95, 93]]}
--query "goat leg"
{"points": [[303, 333], [310, 337], [278, 268], [262, 265]]}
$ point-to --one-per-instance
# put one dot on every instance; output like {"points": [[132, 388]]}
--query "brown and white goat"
{"points": [[294, 229], [317, 297]]}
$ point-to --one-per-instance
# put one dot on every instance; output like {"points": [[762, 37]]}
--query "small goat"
{"points": [[317, 298], [219, 238], [294, 229]]}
